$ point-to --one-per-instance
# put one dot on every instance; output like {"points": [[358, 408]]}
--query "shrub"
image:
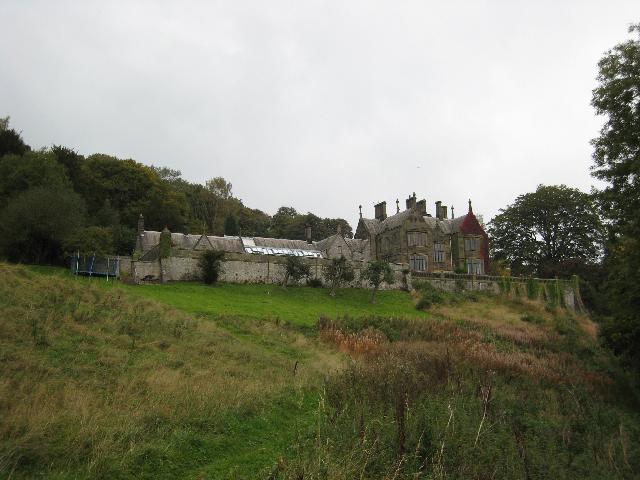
{"points": [[210, 265], [338, 272], [296, 270], [377, 273], [314, 282], [429, 295]]}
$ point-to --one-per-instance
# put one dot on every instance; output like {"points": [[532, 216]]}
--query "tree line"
{"points": [[560, 231], [54, 201]]}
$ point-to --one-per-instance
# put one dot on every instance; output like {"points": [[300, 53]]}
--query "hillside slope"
{"points": [[239, 381], [96, 383]]}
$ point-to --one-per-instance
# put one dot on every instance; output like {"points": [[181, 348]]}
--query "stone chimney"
{"points": [[445, 213], [307, 233], [140, 224], [411, 201], [422, 207], [381, 211], [439, 209]]}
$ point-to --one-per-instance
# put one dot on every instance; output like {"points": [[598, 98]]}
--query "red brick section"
{"points": [[471, 226]]}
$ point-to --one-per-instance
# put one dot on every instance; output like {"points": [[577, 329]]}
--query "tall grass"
{"points": [[97, 384], [470, 397]]}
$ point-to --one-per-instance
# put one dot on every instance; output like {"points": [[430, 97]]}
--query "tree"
{"points": [[376, 273], [550, 225], [231, 226], [11, 141], [296, 270], [210, 264], [617, 162], [617, 149], [338, 272], [33, 169], [89, 240], [36, 223]]}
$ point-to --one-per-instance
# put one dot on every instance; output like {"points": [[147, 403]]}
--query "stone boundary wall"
{"points": [[247, 268], [517, 287]]}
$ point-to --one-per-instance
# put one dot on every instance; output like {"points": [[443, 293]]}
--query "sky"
{"points": [[320, 105]]}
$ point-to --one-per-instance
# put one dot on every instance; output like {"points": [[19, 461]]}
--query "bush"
{"points": [[314, 282], [296, 270], [429, 295], [210, 265]]}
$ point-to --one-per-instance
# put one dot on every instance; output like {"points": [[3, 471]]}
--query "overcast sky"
{"points": [[319, 105]]}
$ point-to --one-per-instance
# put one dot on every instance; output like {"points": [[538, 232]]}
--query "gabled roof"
{"points": [[467, 224]]}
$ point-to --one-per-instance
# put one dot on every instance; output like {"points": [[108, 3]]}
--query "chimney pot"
{"points": [[307, 233], [411, 202], [439, 209], [422, 206]]}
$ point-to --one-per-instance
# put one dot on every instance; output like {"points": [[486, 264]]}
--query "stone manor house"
{"points": [[413, 237]]}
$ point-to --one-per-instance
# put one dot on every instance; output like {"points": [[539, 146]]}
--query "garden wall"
{"points": [[561, 292], [245, 268]]}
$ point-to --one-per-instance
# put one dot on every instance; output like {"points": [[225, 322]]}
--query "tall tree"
{"points": [[548, 226], [617, 161], [617, 149]]}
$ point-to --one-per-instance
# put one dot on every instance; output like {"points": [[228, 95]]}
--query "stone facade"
{"points": [[410, 240], [426, 243]]}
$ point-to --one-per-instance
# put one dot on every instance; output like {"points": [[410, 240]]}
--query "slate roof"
{"points": [[151, 238], [447, 226], [284, 243]]}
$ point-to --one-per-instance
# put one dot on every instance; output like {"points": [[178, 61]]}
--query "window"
{"points": [[475, 267], [416, 239], [418, 263], [471, 244], [438, 253]]}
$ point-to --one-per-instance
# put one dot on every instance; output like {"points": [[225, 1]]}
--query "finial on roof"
{"points": [[470, 209], [360, 208], [414, 194], [397, 206], [452, 215]]}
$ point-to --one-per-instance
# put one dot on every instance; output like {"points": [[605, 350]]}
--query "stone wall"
{"points": [[245, 268], [511, 286]]}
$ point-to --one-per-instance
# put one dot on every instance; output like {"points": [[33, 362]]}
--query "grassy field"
{"points": [[300, 306], [182, 380]]}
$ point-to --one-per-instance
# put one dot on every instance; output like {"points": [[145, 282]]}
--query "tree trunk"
{"points": [[373, 294]]}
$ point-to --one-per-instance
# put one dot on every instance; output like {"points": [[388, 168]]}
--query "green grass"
{"points": [[183, 380], [297, 305], [301, 306], [98, 383]]}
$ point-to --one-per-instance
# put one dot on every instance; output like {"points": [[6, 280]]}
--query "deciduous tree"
{"points": [[337, 273], [377, 273], [550, 225], [617, 162]]}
